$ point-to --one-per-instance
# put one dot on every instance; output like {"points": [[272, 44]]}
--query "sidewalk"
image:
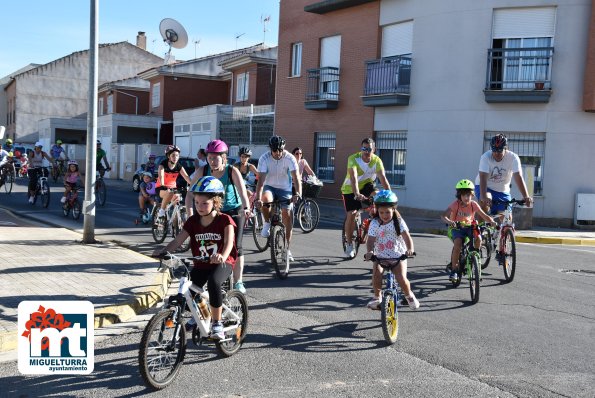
{"points": [[332, 210], [45, 263]]}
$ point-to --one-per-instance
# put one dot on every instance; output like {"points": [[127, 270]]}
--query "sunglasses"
{"points": [[297, 153], [497, 150], [366, 149], [276, 150]]}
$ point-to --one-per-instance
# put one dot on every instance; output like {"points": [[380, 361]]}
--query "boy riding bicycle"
{"points": [[389, 238], [212, 234], [460, 216]]}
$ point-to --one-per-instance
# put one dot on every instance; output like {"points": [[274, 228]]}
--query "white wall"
{"points": [[448, 115]]}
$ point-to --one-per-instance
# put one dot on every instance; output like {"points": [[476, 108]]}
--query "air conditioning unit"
{"points": [[584, 210]]}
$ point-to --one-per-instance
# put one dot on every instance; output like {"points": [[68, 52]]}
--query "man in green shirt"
{"points": [[362, 170], [101, 154]]}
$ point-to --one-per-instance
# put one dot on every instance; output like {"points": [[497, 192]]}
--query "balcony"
{"points": [[322, 7], [388, 81], [323, 88], [519, 75]]}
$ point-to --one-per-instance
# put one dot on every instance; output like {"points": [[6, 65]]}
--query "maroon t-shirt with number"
{"points": [[205, 241]]}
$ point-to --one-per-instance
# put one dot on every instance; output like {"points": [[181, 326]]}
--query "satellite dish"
{"points": [[173, 33]]}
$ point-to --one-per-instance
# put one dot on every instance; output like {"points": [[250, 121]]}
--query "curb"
{"points": [[555, 240]]}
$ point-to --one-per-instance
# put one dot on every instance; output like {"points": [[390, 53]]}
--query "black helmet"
{"points": [[245, 151], [498, 142], [276, 143]]}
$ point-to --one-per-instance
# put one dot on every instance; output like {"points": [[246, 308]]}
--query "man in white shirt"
{"points": [[497, 168], [277, 170]]}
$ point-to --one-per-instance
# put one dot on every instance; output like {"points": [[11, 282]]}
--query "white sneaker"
{"points": [[161, 213], [63, 200], [412, 301], [266, 229], [349, 251], [374, 304], [31, 199], [289, 256]]}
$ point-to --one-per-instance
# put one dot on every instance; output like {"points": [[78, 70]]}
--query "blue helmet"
{"points": [[386, 197], [208, 184]]}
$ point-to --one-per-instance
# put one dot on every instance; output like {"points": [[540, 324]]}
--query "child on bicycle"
{"points": [[460, 216], [71, 178], [388, 237], [212, 234], [146, 192]]}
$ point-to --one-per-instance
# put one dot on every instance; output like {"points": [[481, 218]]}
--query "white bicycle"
{"points": [[163, 345]]}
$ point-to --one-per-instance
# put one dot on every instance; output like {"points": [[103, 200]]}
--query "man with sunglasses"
{"points": [[497, 167], [362, 170], [277, 171]]}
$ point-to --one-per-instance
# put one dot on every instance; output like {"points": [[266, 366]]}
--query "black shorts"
{"points": [[351, 203], [239, 217]]}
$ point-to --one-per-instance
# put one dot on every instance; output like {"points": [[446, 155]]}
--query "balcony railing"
{"points": [[388, 81], [323, 88], [519, 74]]}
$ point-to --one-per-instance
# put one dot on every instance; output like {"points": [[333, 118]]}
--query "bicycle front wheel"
{"points": [[485, 250], [354, 238], [45, 194], [235, 329], [159, 229], [474, 278], [66, 209], [390, 317], [162, 349], [508, 255], [279, 251], [100, 192], [8, 181], [261, 242], [177, 229], [308, 215], [76, 209], [55, 173]]}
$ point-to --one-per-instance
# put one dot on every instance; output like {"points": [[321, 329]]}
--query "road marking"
{"points": [[7, 223]]}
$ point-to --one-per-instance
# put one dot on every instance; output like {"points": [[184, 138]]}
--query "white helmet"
{"points": [[39, 144]]}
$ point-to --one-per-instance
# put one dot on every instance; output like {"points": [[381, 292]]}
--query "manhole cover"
{"points": [[583, 272]]}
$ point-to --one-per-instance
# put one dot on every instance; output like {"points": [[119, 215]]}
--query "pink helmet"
{"points": [[216, 146], [171, 148]]}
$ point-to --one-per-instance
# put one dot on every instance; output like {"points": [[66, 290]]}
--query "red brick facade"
{"points": [[351, 121], [261, 84], [123, 103]]}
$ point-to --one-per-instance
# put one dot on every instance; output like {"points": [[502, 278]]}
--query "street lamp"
{"points": [[130, 95]]}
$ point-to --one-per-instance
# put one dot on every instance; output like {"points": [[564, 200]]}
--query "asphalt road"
{"points": [[311, 334]]}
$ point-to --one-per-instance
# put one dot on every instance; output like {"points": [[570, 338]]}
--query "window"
{"points": [[156, 95], [100, 106], [325, 156], [110, 104], [330, 63], [391, 147], [242, 87], [296, 59], [531, 150]]}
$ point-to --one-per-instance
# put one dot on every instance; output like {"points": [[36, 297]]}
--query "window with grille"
{"points": [[325, 156], [242, 87], [531, 150], [296, 59], [391, 147]]}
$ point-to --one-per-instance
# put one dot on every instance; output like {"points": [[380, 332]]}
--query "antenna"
{"points": [[237, 37], [174, 35], [196, 43], [264, 20]]}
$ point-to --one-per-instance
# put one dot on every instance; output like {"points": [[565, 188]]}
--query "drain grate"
{"points": [[583, 272]]}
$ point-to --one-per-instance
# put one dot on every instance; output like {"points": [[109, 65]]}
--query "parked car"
{"points": [[187, 163]]}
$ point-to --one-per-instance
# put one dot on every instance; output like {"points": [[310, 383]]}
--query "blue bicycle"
{"points": [[391, 295]]}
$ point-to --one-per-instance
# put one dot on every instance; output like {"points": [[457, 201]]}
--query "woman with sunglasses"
{"points": [[497, 168], [303, 165], [362, 170]]}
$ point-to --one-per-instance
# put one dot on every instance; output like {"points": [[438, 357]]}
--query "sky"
{"points": [[40, 31]]}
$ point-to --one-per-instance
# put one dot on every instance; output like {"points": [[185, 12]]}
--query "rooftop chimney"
{"points": [[141, 40]]}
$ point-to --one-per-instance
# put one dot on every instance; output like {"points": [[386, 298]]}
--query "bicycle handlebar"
{"points": [[403, 257], [508, 202]]}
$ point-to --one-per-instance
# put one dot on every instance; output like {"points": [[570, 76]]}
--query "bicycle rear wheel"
{"points": [[508, 256], [162, 349], [474, 277], [45, 194], [279, 251], [485, 250], [100, 191], [390, 317], [236, 301], [159, 229], [257, 221], [76, 209], [8, 181], [177, 229], [55, 173], [308, 215], [65, 209], [354, 238]]}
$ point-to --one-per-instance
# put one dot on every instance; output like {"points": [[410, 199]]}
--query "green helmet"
{"points": [[8, 141], [465, 184], [385, 197]]}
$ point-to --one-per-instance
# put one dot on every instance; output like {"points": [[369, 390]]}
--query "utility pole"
{"points": [[89, 202]]}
